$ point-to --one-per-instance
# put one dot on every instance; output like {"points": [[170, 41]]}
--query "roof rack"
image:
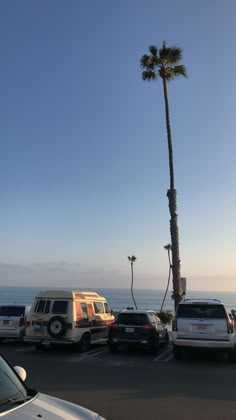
{"points": [[199, 299]]}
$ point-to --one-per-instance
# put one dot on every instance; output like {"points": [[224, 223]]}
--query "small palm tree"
{"points": [[165, 64], [168, 248], [132, 259]]}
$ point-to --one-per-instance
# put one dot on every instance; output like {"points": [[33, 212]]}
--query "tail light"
{"points": [[148, 327], [114, 325], [79, 318], [28, 323], [174, 325], [230, 326], [22, 321]]}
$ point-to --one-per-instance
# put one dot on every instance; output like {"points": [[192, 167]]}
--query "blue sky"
{"points": [[84, 162]]}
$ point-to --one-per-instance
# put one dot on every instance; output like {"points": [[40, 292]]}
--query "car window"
{"points": [[201, 311], [10, 385], [84, 311], [132, 319], [60, 307], [98, 307], [12, 310], [42, 306], [107, 309]]}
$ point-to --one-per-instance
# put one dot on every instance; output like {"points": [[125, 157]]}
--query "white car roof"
{"points": [[69, 294], [136, 311], [201, 301]]}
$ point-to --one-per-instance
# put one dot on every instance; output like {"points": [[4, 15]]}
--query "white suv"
{"points": [[203, 323], [13, 321]]}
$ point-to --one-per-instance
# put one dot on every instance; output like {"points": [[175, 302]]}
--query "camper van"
{"points": [[68, 317]]}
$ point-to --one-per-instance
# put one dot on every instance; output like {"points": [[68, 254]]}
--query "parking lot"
{"points": [[98, 354], [132, 384]]}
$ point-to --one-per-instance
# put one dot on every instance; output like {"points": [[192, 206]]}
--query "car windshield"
{"points": [[11, 388], [201, 311], [132, 319]]}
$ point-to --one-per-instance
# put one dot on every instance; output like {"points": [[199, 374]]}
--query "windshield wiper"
{"points": [[13, 401]]}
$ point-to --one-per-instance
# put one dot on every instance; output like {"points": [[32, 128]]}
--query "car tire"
{"points": [[176, 352], [113, 347], [56, 327], [84, 342]]}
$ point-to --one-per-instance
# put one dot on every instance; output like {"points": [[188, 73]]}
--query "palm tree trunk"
{"points": [[168, 281], [132, 281], [172, 196], [177, 288]]}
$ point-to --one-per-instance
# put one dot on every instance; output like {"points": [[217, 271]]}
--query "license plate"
{"points": [[129, 330], [201, 327]]}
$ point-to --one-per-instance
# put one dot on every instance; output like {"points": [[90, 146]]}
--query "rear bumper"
{"points": [[204, 344], [48, 340], [12, 333], [124, 341]]}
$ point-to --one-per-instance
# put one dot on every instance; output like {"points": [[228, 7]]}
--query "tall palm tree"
{"points": [[165, 64], [168, 248], [132, 259]]}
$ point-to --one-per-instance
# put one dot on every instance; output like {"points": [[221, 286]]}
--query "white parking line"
{"points": [[120, 363], [161, 357], [94, 352], [169, 358], [81, 357], [25, 349]]}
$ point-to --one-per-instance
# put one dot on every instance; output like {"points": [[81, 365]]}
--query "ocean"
{"points": [[118, 299]]}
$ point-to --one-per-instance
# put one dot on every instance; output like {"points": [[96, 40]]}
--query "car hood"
{"points": [[51, 408]]}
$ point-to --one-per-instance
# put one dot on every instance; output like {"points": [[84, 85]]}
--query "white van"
{"points": [[68, 317]]}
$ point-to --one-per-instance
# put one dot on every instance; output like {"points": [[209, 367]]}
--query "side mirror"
{"points": [[21, 372]]}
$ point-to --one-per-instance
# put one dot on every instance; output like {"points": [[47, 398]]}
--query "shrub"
{"points": [[166, 316]]}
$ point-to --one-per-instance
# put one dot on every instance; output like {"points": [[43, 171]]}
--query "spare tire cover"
{"points": [[56, 327]]}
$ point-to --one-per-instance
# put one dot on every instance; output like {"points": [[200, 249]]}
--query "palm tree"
{"points": [[132, 259], [168, 248], [165, 64]]}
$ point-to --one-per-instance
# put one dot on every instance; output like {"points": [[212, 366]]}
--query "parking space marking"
{"points": [[168, 359], [121, 363], [164, 357], [94, 352], [25, 349], [91, 354]]}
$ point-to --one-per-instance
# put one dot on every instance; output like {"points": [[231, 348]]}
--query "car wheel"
{"points": [[176, 352], [84, 342], [56, 327], [113, 347]]}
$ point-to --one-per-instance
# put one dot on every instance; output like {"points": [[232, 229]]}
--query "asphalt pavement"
{"points": [[132, 385]]}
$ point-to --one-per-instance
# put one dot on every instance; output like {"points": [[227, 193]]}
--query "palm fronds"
{"points": [[149, 75], [163, 62]]}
